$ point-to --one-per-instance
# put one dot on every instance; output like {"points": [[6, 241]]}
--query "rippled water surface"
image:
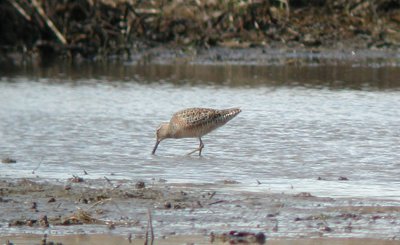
{"points": [[300, 130]]}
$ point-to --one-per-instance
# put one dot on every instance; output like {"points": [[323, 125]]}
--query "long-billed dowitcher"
{"points": [[194, 123]]}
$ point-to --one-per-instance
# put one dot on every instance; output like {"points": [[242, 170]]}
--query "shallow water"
{"points": [[298, 124]]}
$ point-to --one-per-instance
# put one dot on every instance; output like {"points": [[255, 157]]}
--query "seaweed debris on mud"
{"points": [[105, 28], [99, 206]]}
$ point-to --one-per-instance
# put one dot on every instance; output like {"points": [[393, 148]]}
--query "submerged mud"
{"points": [[121, 208]]}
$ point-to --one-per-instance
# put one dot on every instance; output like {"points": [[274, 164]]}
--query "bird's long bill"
{"points": [[155, 147]]}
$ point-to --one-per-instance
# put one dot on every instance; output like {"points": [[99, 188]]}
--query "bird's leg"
{"points": [[201, 146]]}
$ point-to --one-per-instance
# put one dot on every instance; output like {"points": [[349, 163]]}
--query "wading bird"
{"points": [[194, 123]]}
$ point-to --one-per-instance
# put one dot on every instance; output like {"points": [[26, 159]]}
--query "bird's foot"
{"points": [[195, 150], [190, 153]]}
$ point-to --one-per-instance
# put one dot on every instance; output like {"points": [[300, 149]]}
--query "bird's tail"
{"points": [[228, 114]]}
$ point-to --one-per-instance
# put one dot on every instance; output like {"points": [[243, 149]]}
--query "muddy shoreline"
{"points": [[139, 62], [173, 240], [106, 206]]}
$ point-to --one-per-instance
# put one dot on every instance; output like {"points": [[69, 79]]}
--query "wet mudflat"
{"points": [[313, 154], [120, 208], [110, 239]]}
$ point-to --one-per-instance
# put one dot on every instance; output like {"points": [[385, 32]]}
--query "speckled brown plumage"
{"points": [[194, 123]]}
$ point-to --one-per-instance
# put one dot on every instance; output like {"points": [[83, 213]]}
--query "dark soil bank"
{"points": [[119, 28]]}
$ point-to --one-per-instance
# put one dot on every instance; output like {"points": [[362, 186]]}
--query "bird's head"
{"points": [[161, 134]]}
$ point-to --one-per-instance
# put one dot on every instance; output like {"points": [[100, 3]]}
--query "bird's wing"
{"points": [[196, 117]]}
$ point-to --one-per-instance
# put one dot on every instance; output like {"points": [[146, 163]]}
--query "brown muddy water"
{"points": [[331, 129]]}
